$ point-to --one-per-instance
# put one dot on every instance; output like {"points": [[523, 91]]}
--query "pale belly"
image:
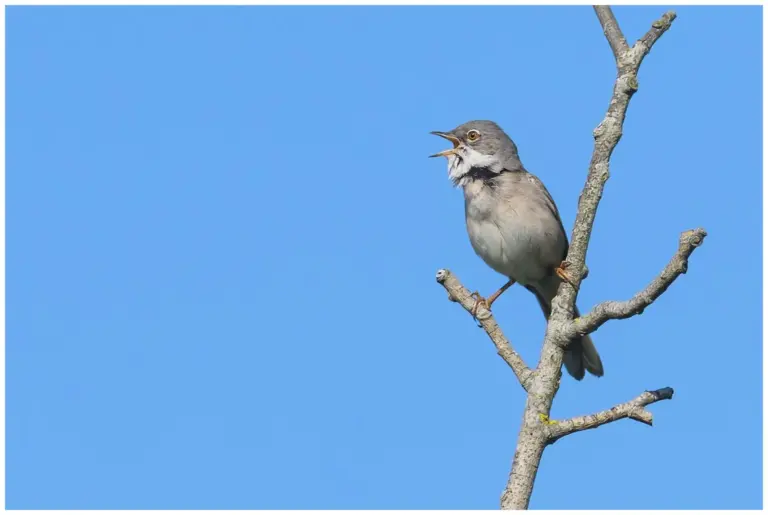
{"points": [[518, 256]]}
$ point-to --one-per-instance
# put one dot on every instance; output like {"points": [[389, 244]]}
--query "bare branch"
{"points": [[607, 135], [612, 310], [658, 28], [535, 432], [611, 30], [458, 293], [634, 409]]}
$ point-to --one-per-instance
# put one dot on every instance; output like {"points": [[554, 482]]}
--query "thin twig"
{"points": [[458, 293], [612, 310], [634, 409]]}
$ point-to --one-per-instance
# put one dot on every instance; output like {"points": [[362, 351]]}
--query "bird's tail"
{"points": [[581, 354]]}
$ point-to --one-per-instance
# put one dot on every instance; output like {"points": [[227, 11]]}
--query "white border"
{"points": [[336, 2], [374, 2]]}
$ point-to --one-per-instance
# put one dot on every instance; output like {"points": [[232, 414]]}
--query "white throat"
{"points": [[460, 165]]}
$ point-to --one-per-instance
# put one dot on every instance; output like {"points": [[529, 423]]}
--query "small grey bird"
{"points": [[513, 223]]}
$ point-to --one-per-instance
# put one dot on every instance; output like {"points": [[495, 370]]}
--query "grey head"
{"points": [[481, 150]]}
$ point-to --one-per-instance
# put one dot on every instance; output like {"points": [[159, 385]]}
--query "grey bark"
{"points": [[541, 384], [458, 293], [634, 409]]}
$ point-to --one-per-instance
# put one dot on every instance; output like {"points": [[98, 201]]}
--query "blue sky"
{"points": [[223, 231]]}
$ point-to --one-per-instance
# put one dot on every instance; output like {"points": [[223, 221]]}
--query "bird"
{"points": [[513, 224]]}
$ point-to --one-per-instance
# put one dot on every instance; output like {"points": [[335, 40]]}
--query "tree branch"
{"points": [[607, 135], [535, 432], [612, 310], [458, 293], [634, 409], [658, 28], [611, 30]]}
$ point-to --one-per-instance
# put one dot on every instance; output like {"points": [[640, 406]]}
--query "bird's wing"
{"points": [[550, 204]]}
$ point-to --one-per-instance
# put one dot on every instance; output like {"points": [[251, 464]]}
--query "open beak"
{"points": [[450, 137]]}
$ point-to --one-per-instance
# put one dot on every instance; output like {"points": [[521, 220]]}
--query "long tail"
{"points": [[581, 353]]}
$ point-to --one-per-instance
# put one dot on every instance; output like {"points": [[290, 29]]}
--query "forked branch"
{"points": [[535, 432], [607, 135]]}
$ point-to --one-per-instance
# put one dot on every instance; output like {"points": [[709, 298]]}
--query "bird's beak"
{"points": [[450, 137]]}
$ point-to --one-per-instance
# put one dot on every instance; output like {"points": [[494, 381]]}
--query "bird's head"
{"points": [[480, 149]]}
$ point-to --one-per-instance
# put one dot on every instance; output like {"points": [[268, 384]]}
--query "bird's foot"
{"points": [[563, 274], [479, 301], [486, 303]]}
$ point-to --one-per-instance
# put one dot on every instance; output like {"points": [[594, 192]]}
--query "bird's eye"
{"points": [[473, 135]]}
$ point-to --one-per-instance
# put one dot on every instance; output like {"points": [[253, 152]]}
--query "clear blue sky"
{"points": [[223, 231]]}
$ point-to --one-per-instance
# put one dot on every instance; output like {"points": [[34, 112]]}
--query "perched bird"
{"points": [[513, 223]]}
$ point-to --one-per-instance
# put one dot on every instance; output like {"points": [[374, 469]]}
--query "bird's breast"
{"points": [[509, 239]]}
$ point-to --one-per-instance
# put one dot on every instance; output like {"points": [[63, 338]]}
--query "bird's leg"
{"points": [[563, 274], [490, 300]]}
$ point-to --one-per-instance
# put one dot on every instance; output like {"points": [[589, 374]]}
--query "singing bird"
{"points": [[513, 223]]}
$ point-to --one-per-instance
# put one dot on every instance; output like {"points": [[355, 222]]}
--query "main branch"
{"points": [[535, 433]]}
